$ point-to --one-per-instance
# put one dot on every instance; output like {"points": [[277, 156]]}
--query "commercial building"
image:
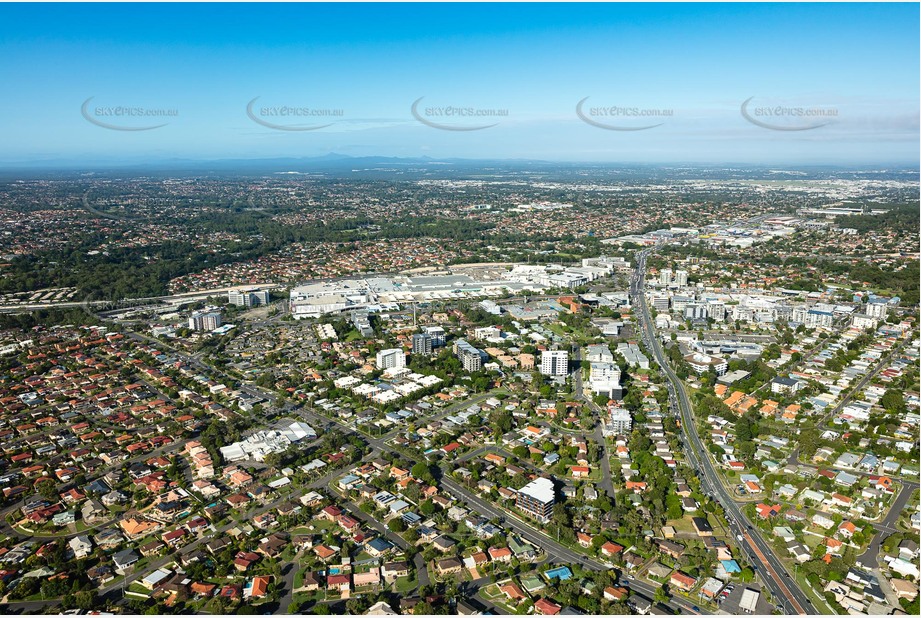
{"points": [[659, 302], [253, 298], [490, 307], [315, 299], [393, 358], [261, 443], [328, 296], [537, 499], [205, 320], [749, 601], [554, 363]]}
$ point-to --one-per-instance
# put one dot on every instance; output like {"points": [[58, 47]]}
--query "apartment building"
{"points": [[422, 344], [537, 499], [554, 363], [471, 357], [205, 320], [393, 358]]}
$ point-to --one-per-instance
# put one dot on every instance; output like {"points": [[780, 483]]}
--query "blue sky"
{"points": [[854, 65]]}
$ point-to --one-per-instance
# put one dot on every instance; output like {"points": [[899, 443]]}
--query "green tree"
{"points": [[397, 525]]}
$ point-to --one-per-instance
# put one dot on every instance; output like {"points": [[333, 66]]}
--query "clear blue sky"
{"points": [[373, 61]]}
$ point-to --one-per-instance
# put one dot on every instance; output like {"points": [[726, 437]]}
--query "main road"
{"points": [[773, 573]]}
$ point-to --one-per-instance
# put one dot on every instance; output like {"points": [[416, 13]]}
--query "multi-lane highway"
{"points": [[776, 578]]}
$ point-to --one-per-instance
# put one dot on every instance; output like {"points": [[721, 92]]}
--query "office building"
{"points": [[394, 358], [660, 302], [422, 344], [205, 320], [537, 499], [554, 363], [253, 298], [679, 302]]}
